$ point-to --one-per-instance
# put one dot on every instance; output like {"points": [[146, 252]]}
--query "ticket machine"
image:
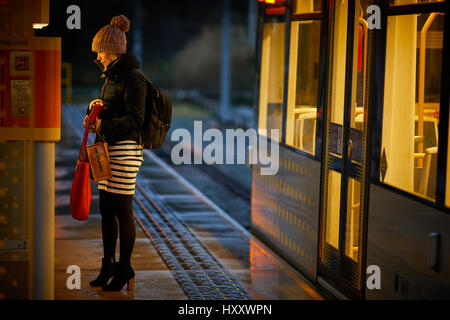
{"points": [[30, 113]]}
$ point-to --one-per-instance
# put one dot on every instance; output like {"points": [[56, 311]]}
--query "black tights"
{"points": [[119, 207]]}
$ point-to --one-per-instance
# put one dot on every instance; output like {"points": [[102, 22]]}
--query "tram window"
{"points": [[301, 115], [353, 232], [411, 102], [272, 76], [307, 6], [447, 189], [333, 208], [403, 2]]}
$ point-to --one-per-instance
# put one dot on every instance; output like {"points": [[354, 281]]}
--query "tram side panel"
{"points": [[402, 239], [285, 209]]}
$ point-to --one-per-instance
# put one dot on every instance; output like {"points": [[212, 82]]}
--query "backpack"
{"points": [[158, 116]]}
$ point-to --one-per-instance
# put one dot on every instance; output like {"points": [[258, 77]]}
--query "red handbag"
{"points": [[80, 193]]}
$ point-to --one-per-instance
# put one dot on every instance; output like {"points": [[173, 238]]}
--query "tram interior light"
{"points": [[39, 13], [39, 25], [275, 7], [272, 1]]}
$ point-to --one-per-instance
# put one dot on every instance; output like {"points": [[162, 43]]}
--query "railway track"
{"points": [[236, 188]]}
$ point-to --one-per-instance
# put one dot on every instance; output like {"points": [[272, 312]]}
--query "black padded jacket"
{"points": [[124, 94]]}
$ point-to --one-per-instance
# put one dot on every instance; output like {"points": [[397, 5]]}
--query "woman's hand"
{"points": [[85, 122], [96, 126], [93, 102]]}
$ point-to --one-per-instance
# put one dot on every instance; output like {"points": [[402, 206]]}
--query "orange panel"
{"points": [[7, 120], [47, 89]]}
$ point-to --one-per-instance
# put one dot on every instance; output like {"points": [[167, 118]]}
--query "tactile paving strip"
{"points": [[196, 270]]}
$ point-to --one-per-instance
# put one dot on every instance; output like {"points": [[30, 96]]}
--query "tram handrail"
{"points": [[365, 27], [420, 111]]}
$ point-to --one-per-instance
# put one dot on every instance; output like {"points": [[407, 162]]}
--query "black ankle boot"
{"points": [[124, 275], [107, 271]]}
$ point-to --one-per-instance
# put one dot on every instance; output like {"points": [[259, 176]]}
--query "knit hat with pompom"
{"points": [[111, 38]]}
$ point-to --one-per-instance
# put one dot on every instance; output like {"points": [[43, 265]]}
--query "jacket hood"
{"points": [[126, 62]]}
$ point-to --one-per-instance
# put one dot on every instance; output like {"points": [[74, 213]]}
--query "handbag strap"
{"points": [[83, 145], [90, 121], [100, 135]]}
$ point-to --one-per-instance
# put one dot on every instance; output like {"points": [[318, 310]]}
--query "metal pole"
{"points": [[420, 111], [44, 220], [225, 81], [137, 35]]}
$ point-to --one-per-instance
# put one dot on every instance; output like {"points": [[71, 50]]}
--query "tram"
{"points": [[359, 91]]}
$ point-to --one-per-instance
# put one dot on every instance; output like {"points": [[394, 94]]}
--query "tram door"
{"points": [[342, 217]]}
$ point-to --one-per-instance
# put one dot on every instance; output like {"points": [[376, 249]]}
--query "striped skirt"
{"points": [[126, 158]]}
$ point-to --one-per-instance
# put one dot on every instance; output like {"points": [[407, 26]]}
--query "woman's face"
{"points": [[105, 58]]}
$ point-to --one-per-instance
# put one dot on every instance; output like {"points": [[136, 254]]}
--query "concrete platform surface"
{"points": [[80, 243], [249, 263]]}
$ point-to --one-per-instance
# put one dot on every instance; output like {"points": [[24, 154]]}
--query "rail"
{"points": [[423, 37]]}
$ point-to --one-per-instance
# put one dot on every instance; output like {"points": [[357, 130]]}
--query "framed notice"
{"points": [[356, 139], [335, 139], [21, 98], [20, 63]]}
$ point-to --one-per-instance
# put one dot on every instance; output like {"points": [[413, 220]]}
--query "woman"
{"points": [[123, 94]]}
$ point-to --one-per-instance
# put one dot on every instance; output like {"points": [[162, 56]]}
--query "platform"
{"points": [[186, 246]]}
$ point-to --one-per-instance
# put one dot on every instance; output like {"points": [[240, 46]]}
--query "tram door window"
{"points": [[357, 132], [301, 114], [333, 208], [332, 196], [345, 168], [306, 6], [272, 78], [411, 102], [354, 212]]}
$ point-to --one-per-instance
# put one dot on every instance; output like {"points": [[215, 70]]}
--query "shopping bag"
{"points": [[80, 193], [99, 161]]}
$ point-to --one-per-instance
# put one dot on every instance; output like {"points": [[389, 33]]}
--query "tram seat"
{"points": [[425, 179], [430, 127], [302, 114], [274, 116], [359, 119], [424, 182]]}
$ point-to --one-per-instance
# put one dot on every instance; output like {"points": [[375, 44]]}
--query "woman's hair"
{"points": [[113, 58]]}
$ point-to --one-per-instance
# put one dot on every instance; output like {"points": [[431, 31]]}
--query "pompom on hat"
{"points": [[111, 38]]}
